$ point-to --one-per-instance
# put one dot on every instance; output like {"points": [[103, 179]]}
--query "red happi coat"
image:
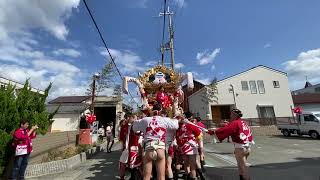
{"points": [[186, 137], [134, 148], [238, 130], [123, 134]]}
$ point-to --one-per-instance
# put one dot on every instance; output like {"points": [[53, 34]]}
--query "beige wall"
{"points": [[65, 122], [280, 98]]}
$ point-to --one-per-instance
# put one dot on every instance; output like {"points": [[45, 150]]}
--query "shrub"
{"points": [[16, 105], [83, 148]]}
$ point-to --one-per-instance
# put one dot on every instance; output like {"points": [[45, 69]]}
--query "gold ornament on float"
{"points": [[160, 76]]}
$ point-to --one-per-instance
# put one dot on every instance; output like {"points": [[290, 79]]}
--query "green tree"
{"points": [[105, 80], [21, 104], [117, 91], [211, 90]]}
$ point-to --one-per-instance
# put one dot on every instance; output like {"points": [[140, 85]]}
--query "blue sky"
{"points": [[55, 41]]}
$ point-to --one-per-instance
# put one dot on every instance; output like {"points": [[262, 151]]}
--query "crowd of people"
{"points": [[155, 146]]}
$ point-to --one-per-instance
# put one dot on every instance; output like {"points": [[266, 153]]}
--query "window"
{"points": [[253, 87], [276, 84], [261, 87], [317, 89], [310, 118], [266, 112], [244, 85]]}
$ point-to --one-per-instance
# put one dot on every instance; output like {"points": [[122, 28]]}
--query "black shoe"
{"points": [[200, 174], [202, 166], [241, 177]]}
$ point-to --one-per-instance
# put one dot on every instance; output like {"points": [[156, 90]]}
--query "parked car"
{"points": [[307, 123]]}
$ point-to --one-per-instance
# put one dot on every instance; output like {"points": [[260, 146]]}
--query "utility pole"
{"points": [[95, 77], [169, 45], [234, 96]]}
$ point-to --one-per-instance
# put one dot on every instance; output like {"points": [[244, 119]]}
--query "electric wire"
{"points": [[105, 45], [163, 30]]}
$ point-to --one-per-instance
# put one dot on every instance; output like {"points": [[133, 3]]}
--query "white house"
{"points": [[5, 82], [71, 107], [259, 92]]}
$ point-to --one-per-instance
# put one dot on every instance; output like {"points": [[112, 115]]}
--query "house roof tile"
{"points": [[69, 99]]}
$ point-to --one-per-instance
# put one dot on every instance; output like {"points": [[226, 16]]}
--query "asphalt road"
{"points": [[273, 158]]}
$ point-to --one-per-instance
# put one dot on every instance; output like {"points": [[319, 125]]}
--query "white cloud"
{"points": [[151, 63], [137, 3], [207, 57], [67, 52], [128, 61], [306, 64], [143, 3], [19, 18], [66, 78], [213, 67], [179, 65], [267, 45], [205, 81], [55, 66], [22, 49], [180, 3], [50, 15], [195, 73]]}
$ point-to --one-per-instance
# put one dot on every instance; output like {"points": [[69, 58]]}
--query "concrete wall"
{"points": [[65, 122], [280, 98], [198, 105]]}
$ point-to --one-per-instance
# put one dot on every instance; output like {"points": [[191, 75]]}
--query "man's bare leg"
{"points": [[168, 167], [147, 171], [241, 157], [186, 165], [112, 142], [122, 169], [161, 164], [193, 165]]}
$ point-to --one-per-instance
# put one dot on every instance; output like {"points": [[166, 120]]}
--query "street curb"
{"points": [[53, 167]]}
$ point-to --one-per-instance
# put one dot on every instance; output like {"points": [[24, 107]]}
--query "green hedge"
{"points": [[16, 105]]}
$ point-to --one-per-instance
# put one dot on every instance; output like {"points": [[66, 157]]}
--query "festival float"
{"points": [[162, 84]]}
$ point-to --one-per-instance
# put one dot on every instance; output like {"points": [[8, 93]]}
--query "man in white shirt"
{"points": [[155, 130]]}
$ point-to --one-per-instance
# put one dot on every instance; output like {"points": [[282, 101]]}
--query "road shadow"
{"points": [[305, 137], [106, 168], [300, 169]]}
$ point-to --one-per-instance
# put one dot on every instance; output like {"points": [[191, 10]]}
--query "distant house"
{"points": [[307, 101], [197, 86], [71, 107], [308, 88], [259, 92], [5, 82], [308, 97]]}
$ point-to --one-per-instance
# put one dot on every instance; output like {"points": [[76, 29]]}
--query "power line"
{"points": [[105, 45]]}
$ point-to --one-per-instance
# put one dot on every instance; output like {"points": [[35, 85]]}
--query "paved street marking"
{"points": [[225, 158]]}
